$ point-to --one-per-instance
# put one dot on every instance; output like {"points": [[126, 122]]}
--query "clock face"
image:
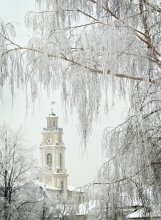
{"points": [[48, 140]]}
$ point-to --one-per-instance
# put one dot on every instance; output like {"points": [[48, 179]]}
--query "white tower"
{"points": [[53, 156]]}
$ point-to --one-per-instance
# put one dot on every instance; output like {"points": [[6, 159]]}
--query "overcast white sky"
{"points": [[82, 166]]}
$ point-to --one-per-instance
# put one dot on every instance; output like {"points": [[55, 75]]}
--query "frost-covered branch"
{"points": [[15, 173]]}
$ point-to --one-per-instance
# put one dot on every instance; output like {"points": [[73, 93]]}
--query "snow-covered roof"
{"points": [[52, 187], [75, 189], [141, 213], [44, 185]]}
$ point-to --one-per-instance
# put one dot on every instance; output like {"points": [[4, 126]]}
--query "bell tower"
{"points": [[53, 156]]}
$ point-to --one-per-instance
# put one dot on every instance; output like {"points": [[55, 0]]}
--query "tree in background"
{"points": [[15, 176]]}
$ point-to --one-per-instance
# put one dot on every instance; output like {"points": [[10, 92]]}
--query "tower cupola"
{"points": [[52, 122]]}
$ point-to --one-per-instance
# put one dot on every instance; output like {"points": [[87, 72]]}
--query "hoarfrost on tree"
{"points": [[90, 47]]}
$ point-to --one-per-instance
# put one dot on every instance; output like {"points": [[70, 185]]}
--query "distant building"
{"points": [[54, 173]]}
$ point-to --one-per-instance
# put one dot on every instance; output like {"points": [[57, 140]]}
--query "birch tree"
{"points": [[85, 46], [131, 177], [90, 47]]}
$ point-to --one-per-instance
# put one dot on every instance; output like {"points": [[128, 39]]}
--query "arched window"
{"points": [[49, 160], [61, 162]]}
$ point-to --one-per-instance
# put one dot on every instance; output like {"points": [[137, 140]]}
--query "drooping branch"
{"points": [[75, 62]]}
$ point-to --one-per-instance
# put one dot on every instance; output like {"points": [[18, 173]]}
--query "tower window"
{"points": [[79, 199], [49, 160], [60, 160]]}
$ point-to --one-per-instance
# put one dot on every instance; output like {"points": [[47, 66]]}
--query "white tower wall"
{"points": [[53, 156]]}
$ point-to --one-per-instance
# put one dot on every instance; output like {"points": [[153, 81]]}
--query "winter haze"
{"points": [[82, 164]]}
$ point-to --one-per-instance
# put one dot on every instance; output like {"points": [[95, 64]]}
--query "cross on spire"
{"points": [[52, 104]]}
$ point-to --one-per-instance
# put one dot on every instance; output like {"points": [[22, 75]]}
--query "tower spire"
{"points": [[52, 107]]}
